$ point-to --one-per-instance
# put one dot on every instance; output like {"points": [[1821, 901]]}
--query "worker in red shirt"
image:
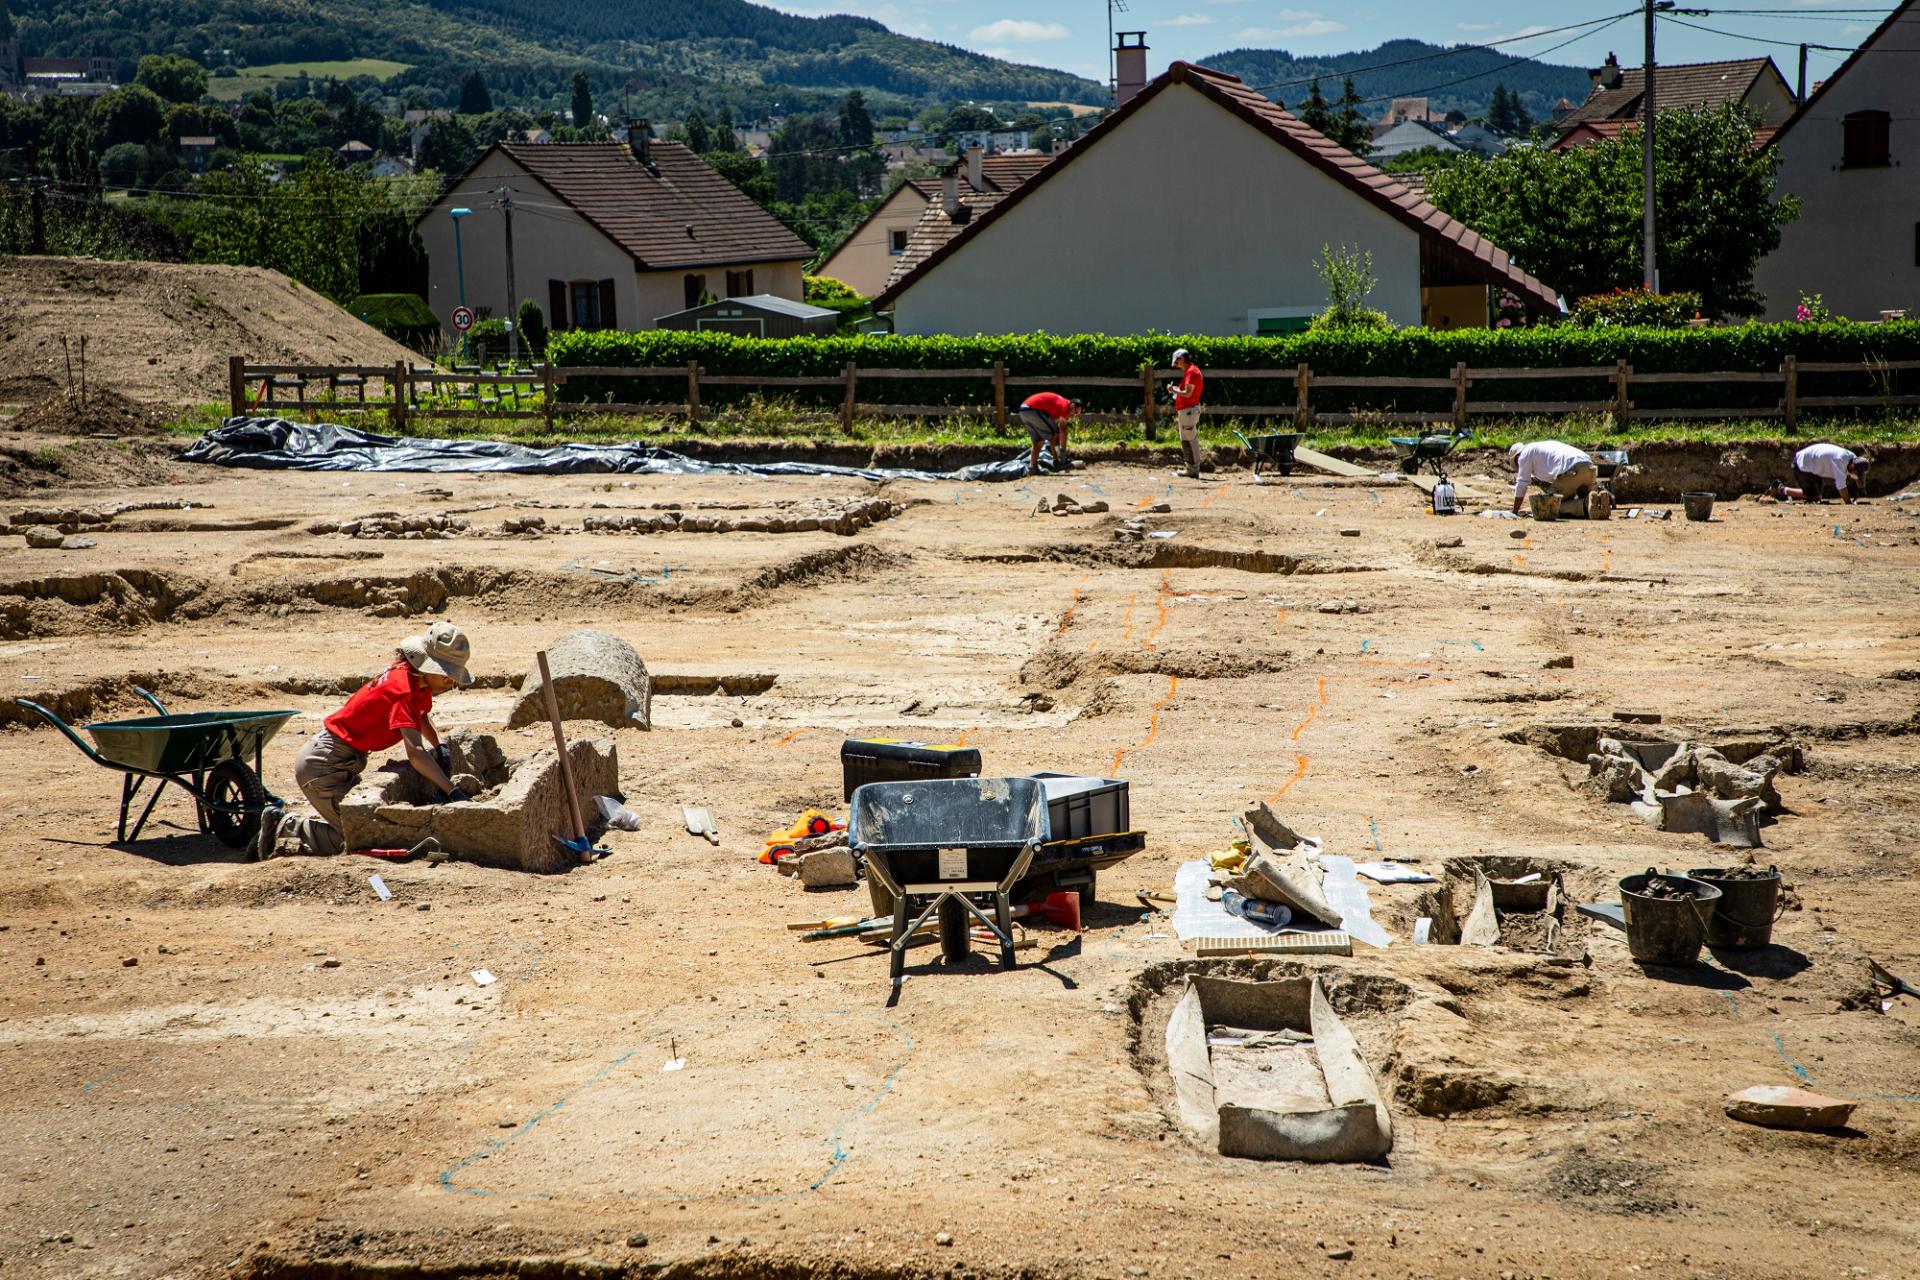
{"points": [[1186, 408], [1045, 417], [396, 708]]}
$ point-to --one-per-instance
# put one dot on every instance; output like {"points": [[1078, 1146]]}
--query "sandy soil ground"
{"points": [[161, 332], [214, 1067]]}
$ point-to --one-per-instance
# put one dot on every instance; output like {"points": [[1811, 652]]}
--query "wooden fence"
{"points": [[428, 393]]}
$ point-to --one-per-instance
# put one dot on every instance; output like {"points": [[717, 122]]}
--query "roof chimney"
{"points": [[640, 142], [950, 193], [1607, 75], [976, 176], [1129, 66]]}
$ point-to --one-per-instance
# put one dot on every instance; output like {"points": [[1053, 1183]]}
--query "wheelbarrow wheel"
{"points": [[236, 798], [956, 941]]}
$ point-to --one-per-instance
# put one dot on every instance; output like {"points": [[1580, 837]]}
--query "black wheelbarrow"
{"points": [[953, 847], [1274, 450], [204, 753], [1427, 451]]}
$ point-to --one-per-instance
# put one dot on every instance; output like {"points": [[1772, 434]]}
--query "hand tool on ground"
{"points": [[831, 922], [579, 844], [1153, 899], [700, 823], [1893, 982]]}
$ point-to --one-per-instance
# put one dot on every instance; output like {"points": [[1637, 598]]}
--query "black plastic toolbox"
{"points": [[1079, 806], [864, 760]]}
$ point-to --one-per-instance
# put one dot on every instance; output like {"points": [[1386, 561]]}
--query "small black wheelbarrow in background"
{"points": [[1427, 451], [204, 753], [1275, 451]]}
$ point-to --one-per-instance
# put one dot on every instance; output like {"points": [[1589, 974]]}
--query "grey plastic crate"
{"points": [[1080, 806]]}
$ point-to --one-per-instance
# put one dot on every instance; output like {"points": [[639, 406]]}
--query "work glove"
{"points": [[456, 795], [443, 754]]}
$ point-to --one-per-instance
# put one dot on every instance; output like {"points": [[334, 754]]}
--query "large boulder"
{"points": [[596, 676]]}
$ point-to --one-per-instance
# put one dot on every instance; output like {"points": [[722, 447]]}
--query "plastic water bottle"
{"points": [[1256, 910], [1443, 504]]}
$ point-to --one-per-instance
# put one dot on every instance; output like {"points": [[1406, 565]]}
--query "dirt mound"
{"points": [[38, 462], [161, 332], [1058, 668], [100, 412]]}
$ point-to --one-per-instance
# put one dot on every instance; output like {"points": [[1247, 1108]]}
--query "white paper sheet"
{"points": [[1345, 894]]}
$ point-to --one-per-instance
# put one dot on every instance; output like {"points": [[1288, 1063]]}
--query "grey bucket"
{"points": [[1743, 919], [1664, 930], [1699, 505]]}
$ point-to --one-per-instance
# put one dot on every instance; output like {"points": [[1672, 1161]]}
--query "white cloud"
{"points": [[1017, 31], [1305, 27], [1477, 26], [1189, 20]]}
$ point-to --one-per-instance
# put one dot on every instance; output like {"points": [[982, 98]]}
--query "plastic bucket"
{"points": [[1546, 506], [1666, 930], [1743, 918], [1699, 505]]}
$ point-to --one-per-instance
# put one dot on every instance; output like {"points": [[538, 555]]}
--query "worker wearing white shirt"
{"points": [[1555, 466], [1819, 465]]}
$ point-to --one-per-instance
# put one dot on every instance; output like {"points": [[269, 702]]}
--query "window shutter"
{"points": [[608, 318], [558, 314], [1865, 140]]}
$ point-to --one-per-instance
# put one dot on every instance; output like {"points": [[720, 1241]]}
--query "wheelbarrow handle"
{"points": [[67, 729], [152, 701]]}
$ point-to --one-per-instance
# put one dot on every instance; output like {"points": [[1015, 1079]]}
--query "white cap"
{"points": [[1181, 354]]}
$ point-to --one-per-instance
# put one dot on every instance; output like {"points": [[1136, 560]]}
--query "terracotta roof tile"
{"points": [[680, 213], [1287, 130], [934, 230], [1682, 85]]}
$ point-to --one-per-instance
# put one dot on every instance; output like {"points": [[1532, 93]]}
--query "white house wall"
{"points": [[550, 242], [1855, 240], [1183, 220]]}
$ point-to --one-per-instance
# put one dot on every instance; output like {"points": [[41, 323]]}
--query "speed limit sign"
{"points": [[462, 319]]}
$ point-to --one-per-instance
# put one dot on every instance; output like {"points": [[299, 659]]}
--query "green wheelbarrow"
{"points": [[204, 753], [1274, 450]]}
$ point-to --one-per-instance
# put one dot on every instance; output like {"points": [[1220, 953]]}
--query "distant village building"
{"points": [[870, 255], [755, 316], [52, 77], [197, 150], [1852, 155], [1401, 137], [1618, 97], [1092, 243], [605, 235]]}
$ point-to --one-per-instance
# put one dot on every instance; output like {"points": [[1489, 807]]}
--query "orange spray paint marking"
{"points": [[1313, 709], [1519, 559], [1143, 504], [1165, 586], [1127, 617], [1212, 496], [961, 741], [1067, 620], [789, 738], [1280, 619], [1153, 725], [1299, 772], [1323, 690]]}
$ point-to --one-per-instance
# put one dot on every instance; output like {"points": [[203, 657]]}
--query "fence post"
{"points": [[399, 380], [546, 385], [1460, 395], [1622, 379], [999, 395], [693, 394], [846, 405], [236, 386], [1302, 389], [1790, 392], [1149, 411]]}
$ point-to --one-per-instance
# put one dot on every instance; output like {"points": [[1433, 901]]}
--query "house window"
{"points": [[897, 241], [694, 287], [740, 284], [1864, 140], [584, 312]]}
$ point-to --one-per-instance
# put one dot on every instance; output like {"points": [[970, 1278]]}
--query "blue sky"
{"points": [[1072, 34]]}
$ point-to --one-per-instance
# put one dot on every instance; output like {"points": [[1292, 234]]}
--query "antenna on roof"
{"points": [[1113, 81]]}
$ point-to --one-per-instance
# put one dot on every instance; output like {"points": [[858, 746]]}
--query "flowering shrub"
{"points": [[1812, 310], [1637, 307]]}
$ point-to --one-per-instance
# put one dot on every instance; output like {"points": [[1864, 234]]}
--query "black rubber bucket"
{"points": [[1699, 505], [1743, 918], [1666, 930]]}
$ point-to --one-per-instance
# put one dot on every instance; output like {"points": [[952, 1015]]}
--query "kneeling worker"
{"points": [[1819, 465], [1045, 416], [396, 708], [1556, 466]]}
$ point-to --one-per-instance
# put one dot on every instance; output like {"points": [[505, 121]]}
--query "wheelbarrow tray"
{"points": [[1422, 448], [189, 743], [945, 829]]}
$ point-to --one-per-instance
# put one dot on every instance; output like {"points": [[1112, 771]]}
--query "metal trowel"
{"points": [[700, 823]]}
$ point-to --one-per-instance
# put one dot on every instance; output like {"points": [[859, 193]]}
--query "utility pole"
{"points": [[1650, 273], [505, 204]]}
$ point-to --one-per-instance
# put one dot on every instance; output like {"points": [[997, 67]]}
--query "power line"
{"points": [[1735, 35], [1500, 70]]}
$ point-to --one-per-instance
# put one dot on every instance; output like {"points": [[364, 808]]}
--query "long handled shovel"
{"points": [[579, 845]]}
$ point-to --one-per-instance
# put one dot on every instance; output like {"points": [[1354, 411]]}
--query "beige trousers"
{"points": [[325, 771], [1188, 421]]}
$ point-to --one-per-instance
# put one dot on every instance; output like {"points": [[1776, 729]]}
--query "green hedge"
{"points": [[1424, 353], [404, 317]]}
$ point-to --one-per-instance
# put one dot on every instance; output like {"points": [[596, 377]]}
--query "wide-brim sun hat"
{"points": [[442, 651]]}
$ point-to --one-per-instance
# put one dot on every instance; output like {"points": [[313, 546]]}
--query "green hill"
{"points": [[1462, 80], [679, 53]]}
